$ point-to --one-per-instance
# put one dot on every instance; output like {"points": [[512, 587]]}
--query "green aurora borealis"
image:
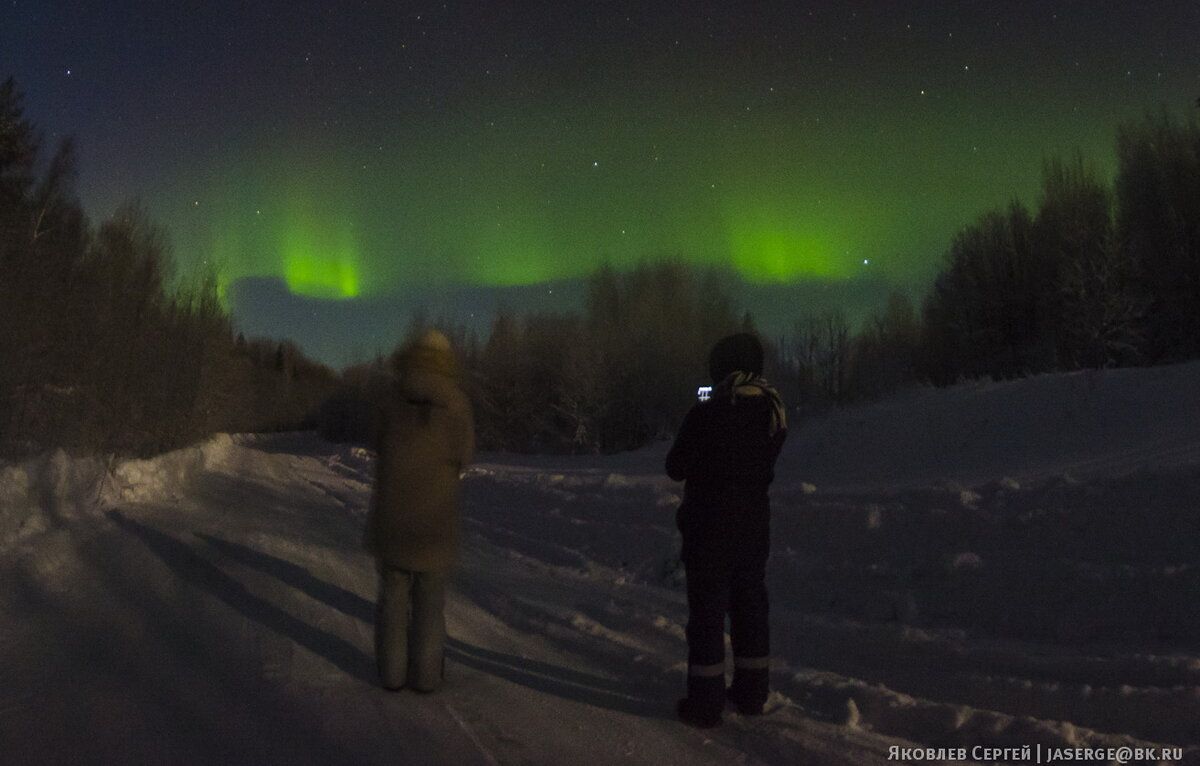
{"points": [[777, 201], [356, 151]]}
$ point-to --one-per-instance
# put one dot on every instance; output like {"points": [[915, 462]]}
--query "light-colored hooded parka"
{"points": [[426, 439]]}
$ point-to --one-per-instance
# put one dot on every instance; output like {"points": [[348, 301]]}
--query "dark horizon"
{"points": [[345, 333]]}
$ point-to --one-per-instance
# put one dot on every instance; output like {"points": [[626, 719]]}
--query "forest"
{"points": [[103, 349]]}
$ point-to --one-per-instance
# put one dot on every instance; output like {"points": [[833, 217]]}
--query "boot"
{"points": [[749, 689], [702, 707]]}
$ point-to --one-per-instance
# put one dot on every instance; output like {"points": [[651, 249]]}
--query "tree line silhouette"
{"points": [[1097, 276], [101, 350]]}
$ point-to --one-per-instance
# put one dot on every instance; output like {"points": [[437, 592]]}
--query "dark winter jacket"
{"points": [[725, 454], [426, 439]]}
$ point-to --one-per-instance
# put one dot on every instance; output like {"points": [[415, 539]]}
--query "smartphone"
{"points": [[704, 393]]}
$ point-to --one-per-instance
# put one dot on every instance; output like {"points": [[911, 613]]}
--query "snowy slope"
{"points": [[998, 565]]}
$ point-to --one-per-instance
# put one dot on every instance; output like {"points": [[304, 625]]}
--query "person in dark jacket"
{"points": [[725, 454], [426, 439]]}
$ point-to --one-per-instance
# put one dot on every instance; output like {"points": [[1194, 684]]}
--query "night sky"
{"points": [[343, 162]]}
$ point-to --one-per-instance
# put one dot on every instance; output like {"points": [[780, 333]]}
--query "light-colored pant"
{"points": [[410, 628]]}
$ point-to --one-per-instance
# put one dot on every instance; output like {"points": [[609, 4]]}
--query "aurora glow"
{"points": [[389, 147], [320, 255]]}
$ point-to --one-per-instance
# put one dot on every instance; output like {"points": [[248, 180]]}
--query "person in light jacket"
{"points": [[725, 454], [426, 439]]}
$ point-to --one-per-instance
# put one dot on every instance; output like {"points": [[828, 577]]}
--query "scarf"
{"points": [[748, 384]]}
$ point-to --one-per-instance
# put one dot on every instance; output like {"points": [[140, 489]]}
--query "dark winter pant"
{"points": [[410, 628], [740, 592]]}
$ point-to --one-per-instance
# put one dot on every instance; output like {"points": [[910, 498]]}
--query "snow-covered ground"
{"points": [[989, 566]]}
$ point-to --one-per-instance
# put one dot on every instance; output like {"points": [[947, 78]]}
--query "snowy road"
{"points": [[214, 606], [233, 625]]}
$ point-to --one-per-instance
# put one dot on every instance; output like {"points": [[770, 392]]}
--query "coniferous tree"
{"points": [[1158, 198], [982, 315], [1088, 297]]}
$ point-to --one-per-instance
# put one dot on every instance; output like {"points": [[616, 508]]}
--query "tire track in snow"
{"points": [[487, 754]]}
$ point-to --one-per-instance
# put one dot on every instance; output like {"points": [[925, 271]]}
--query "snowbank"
{"points": [[46, 492], [1083, 424], [40, 493]]}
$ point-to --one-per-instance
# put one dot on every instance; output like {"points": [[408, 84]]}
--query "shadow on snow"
{"points": [[193, 568]]}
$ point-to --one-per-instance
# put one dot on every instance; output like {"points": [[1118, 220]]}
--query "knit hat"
{"points": [[735, 353], [431, 352]]}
